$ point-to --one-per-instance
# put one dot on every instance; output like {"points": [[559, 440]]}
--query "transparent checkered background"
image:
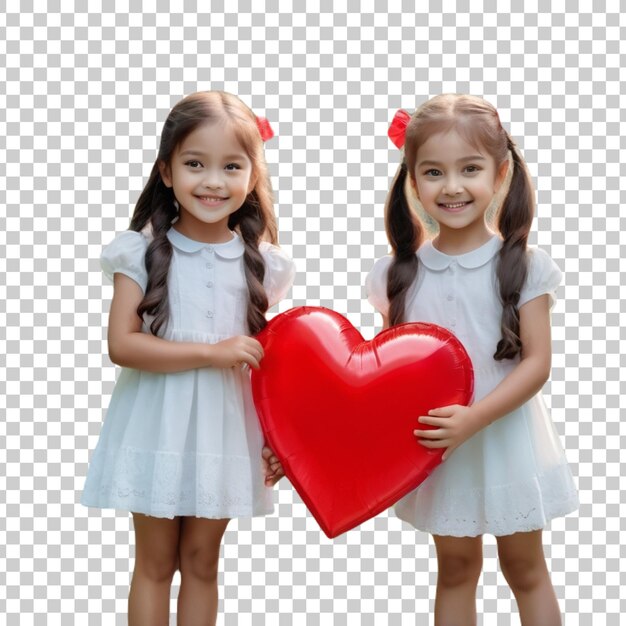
{"points": [[83, 96]]}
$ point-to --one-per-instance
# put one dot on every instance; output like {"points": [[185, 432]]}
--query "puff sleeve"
{"points": [[280, 271], [376, 285], [125, 255], [544, 276]]}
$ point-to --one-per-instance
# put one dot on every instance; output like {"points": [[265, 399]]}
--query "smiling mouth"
{"points": [[454, 205], [212, 198]]}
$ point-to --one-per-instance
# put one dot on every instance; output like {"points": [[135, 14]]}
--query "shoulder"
{"points": [[544, 276], [125, 255], [542, 266], [376, 284], [379, 269], [271, 251], [280, 271], [276, 258], [128, 240]]}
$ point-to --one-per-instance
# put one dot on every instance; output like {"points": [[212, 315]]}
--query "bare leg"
{"points": [[156, 558], [200, 541], [524, 567], [459, 561]]}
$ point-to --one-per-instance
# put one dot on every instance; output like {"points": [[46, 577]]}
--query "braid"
{"points": [[255, 219], [156, 206], [514, 222], [252, 225], [404, 232]]}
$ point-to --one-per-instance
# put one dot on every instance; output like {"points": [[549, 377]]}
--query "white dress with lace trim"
{"points": [[187, 443], [513, 475]]}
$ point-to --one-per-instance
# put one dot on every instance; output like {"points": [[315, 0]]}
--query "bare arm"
{"points": [[533, 370], [129, 347], [457, 423]]}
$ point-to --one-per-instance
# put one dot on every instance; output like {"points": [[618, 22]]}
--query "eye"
{"points": [[193, 164], [232, 167], [433, 172], [472, 169]]}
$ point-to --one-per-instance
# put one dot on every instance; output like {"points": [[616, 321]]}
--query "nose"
{"points": [[212, 178], [452, 186]]}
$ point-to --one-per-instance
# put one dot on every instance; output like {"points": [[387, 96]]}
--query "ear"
{"points": [[501, 175], [166, 174]]}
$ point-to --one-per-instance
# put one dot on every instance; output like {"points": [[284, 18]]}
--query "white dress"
{"points": [[187, 443], [511, 476]]}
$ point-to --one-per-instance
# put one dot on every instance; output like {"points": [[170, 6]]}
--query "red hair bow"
{"points": [[264, 128], [397, 129]]}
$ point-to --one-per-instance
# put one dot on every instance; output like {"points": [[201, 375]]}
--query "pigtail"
{"points": [[405, 233], [514, 223], [255, 219], [156, 206], [252, 225]]}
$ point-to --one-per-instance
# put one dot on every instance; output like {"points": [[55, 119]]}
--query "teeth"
{"points": [[211, 198], [458, 205]]}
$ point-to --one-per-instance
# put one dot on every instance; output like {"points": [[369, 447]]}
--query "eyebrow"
{"points": [[475, 157], [196, 153]]}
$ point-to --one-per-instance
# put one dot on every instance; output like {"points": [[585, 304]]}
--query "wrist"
{"points": [[480, 418], [207, 353]]}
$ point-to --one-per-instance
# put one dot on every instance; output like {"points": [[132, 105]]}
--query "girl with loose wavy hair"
{"points": [[181, 447], [504, 470]]}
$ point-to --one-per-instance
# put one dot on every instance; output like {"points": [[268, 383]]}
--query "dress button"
{"points": [[453, 323], [209, 313], [209, 265], [210, 284], [209, 249], [450, 297]]}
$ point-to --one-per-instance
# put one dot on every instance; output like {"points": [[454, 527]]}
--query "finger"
{"points": [[255, 345], [445, 411], [251, 361], [255, 351], [448, 452], [432, 421], [429, 434], [441, 443]]}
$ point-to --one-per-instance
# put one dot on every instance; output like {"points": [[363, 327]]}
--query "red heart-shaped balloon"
{"points": [[339, 412]]}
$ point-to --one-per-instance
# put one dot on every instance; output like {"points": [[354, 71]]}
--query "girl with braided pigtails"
{"points": [[181, 446], [504, 471]]}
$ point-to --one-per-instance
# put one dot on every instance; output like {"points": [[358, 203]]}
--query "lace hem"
{"points": [[165, 484], [498, 510]]}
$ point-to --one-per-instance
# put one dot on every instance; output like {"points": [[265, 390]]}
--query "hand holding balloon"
{"points": [[272, 467], [328, 401], [453, 424]]}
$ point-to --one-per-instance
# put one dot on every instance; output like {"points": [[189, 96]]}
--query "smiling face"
{"points": [[455, 183], [211, 175]]}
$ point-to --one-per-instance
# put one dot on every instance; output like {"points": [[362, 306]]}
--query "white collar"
{"points": [[436, 260], [232, 249]]}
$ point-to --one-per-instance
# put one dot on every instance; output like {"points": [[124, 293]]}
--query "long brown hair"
{"points": [[254, 220], [478, 122]]}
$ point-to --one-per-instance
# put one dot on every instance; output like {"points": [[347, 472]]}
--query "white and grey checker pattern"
{"points": [[83, 96]]}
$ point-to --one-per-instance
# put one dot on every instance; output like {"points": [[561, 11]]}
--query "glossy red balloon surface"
{"points": [[339, 411]]}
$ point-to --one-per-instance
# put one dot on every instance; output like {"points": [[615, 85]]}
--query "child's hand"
{"points": [[455, 425], [272, 467], [235, 351]]}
